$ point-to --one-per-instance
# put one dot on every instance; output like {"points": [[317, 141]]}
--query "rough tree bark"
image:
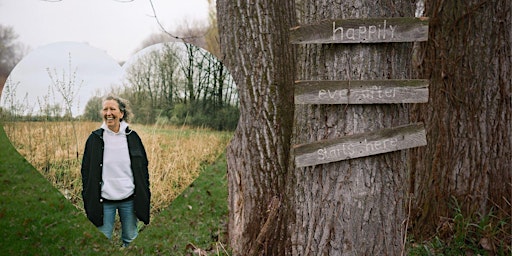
{"points": [[468, 119], [254, 43], [353, 207]]}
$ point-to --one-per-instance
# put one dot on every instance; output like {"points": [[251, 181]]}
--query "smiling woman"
{"points": [[115, 176]]}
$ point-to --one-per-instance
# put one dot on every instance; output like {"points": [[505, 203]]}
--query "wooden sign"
{"points": [[371, 30], [361, 92], [360, 145]]}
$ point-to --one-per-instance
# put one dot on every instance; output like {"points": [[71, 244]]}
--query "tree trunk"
{"points": [[468, 119], [352, 207], [254, 43]]}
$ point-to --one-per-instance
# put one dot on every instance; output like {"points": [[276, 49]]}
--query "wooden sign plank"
{"points": [[360, 145], [361, 91], [370, 30]]}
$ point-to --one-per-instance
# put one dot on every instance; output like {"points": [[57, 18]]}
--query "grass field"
{"points": [[175, 154], [36, 219]]}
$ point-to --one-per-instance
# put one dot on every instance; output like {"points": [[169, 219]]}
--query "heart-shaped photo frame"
{"points": [[52, 100]]}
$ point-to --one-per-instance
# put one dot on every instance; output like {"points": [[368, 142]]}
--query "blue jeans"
{"points": [[128, 220]]}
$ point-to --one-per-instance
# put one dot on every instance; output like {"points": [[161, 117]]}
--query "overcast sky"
{"points": [[97, 34], [117, 26]]}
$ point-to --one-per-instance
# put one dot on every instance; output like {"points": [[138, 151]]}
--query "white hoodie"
{"points": [[117, 173]]}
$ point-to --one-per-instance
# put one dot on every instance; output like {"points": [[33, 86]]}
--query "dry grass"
{"points": [[175, 155]]}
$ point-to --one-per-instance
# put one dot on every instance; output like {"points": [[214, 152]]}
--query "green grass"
{"points": [[36, 219], [194, 220]]}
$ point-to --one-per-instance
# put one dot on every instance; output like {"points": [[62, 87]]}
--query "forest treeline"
{"points": [[167, 83], [180, 84]]}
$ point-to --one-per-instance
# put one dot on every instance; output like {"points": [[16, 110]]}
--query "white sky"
{"points": [[117, 26], [97, 34]]}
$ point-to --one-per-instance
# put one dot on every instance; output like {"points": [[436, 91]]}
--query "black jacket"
{"points": [[92, 176]]}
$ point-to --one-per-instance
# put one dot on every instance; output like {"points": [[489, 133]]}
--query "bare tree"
{"points": [[68, 87], [184, 74], [11, 52], [155, 81]]}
